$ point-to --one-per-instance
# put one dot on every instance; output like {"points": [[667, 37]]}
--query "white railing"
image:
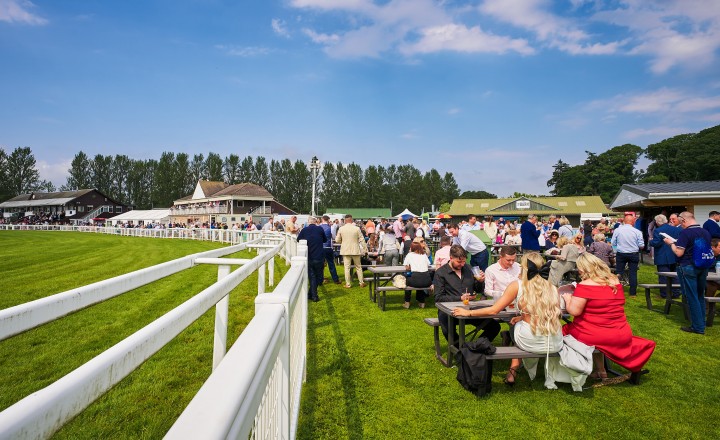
{"points": [[276, 336], [255, 390], [232, 236]]}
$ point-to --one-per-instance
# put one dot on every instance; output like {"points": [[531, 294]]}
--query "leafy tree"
{"points": [[231, 169], [184, 179], [261, 173], [164, 182], [120, 174], [451, 191], [328, 190], [21, 173], [477, 195], [100, 171], [374, 188], [445, 207], [245, 172], [80, 173], [214, 167], [432, 188], [197, 169], [5, 192]]}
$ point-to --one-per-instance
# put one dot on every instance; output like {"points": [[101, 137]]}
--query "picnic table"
{"points": [[670, 277], [374, 284], [447, 308]]}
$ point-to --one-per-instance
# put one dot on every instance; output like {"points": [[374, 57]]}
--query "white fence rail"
{"points": [[264, 369]]}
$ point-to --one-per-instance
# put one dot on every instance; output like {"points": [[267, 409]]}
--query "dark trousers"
{"points": [[480, 259], [631, 261], [315, 274], [490, 327], [418, 279], [330, 259], [663, 279]]}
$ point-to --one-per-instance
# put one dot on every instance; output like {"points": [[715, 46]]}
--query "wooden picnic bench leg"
{"points": [[451, 339], [648, 300], [668, 294], [711, 314]]}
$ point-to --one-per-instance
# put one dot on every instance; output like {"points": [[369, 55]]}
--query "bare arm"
{"points": [[574, 305], [508, 296]]}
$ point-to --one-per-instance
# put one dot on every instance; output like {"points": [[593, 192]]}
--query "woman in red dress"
{"points": [[597, 306]]}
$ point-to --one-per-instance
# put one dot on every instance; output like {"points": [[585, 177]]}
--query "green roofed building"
{"points": [[361, 213], [575, 209]]}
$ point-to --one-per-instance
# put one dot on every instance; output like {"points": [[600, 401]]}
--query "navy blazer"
{"points": [[712, 227], [663, 252]]}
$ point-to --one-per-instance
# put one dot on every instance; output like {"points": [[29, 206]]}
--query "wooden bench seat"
{"points": [[649, 287], [711, 300], [384, 289], [435, 324]]}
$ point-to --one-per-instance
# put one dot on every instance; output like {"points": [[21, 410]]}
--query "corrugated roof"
{"points": [[362, 212], [31, 203], [674, 187], [50, 195], [142, 214], [542, 206]]}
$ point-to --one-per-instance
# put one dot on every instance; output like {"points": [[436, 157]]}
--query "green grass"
{"points": [[147, 402], [373, 374]]}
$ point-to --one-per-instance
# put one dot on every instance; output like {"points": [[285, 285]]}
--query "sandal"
{"points": [[598, 375], [512, 373]]}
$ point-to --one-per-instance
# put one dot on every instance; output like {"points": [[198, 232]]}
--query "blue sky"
{"points": [[495, 91]]}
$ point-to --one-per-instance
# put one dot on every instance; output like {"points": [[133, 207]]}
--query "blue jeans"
{"points": [[693, 282], [330, 258], [663, 279], [480, 259], [315, 274], [631, 260]]}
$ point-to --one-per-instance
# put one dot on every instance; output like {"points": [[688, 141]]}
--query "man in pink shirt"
{"points": [[442, 255], [499, 275]]}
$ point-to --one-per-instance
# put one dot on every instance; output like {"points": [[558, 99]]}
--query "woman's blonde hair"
{"points": [[591, 267], [599, 237], [562, 241], [563, 221], [540, 299], [578, 238]]}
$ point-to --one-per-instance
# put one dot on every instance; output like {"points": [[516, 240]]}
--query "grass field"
{"points": [[146, 403], [371, 374]]}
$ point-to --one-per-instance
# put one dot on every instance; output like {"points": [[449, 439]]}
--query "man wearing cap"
{"points": [[472, 244], [628, 241], [711, 224]]}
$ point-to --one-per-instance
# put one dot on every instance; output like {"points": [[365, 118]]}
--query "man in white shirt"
{"points": [[628, 241], [472, 244], [501, 274]]}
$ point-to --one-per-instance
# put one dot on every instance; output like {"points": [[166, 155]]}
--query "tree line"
{"points": [[155, 183], [686, 157]]}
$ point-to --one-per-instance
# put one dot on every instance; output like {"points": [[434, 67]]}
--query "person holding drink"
{"points": [[538, 328], [455, 282]]}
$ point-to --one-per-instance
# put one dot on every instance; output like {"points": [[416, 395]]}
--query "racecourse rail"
{"points": [[254, 389]]}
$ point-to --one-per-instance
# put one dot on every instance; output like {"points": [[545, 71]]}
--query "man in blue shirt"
{"points": [[692, 279], [529, 234], [628, 241], [664, 258], [329, 254], [711, 224], [315, 237]]}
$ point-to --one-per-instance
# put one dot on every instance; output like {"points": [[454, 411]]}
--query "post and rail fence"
{"points": [[255, 387]]}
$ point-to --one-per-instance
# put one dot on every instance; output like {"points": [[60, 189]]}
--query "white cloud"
{"points": [[242, 51], [459, 38], [412, 134], [16, 11], [55, 172], [454, 111], [279, 28], [321, 38], [656, 133], [664, 101]]}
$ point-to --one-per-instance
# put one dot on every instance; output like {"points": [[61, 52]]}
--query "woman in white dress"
{"points": [[538, 328]]}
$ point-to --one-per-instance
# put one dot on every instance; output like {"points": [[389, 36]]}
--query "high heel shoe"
{"points": [[512, 373]]}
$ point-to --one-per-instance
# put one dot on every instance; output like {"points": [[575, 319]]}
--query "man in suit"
{"points": [[665, 260], [349, 237], [711, 224], [315, 237]]}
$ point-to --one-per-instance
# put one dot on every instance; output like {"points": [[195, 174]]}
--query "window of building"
{"points": [[118, 209], [80, 208], [239, 203]]}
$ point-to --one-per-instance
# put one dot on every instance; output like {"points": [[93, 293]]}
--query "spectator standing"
{"points": [[291, 226], [389, 247], [692, 279], [602, 249], [665, 260], [628, 241], [529, 233], [350, 238], [565, 230], [473, 245], [328, 252], [315, 237], [711, 224]]}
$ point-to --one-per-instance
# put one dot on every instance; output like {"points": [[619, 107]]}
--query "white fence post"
{"points": [[221, 321]]}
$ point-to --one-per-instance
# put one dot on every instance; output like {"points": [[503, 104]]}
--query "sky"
{"points": [[494, 91]]}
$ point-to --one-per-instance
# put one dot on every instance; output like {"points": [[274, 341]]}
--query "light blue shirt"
{"points": [[469, 227], [627, 240], [469, 242]]}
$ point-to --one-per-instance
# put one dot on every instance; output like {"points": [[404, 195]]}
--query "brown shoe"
{"points": [[363, 284], [347, 286], [421, 305], [406, 305]]}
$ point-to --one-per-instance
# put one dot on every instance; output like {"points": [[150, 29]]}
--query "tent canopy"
{"points": [[406, 214]]}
